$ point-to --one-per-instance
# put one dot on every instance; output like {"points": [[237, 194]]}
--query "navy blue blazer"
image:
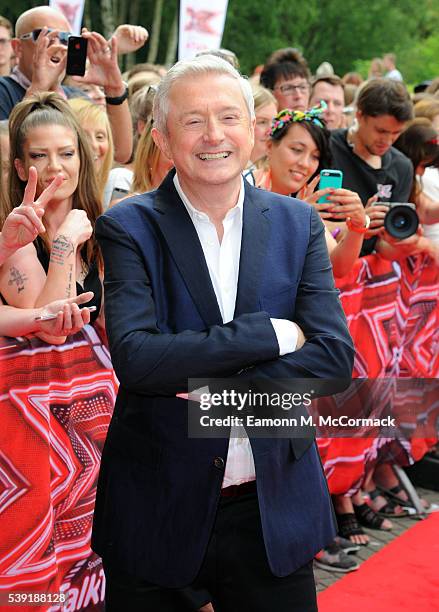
{"points": [[158, 490]]}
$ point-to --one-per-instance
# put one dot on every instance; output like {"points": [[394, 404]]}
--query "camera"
{"points": [[401, 220]]}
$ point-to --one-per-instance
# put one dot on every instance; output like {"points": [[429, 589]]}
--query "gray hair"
{"points": [[199, 66]]}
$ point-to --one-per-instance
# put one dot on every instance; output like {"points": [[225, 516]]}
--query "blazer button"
{"points": [[218, 462]]}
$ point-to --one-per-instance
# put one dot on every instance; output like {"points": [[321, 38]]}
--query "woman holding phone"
{"points": [[298, 150]]}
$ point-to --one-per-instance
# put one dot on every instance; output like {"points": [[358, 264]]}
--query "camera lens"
{"points": [[401, 221]]}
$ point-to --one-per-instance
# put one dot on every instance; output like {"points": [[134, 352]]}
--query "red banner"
{"points": [[56, 403], [392, 310]]}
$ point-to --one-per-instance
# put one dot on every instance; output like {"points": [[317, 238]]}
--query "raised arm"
{"points": [[23, 282], [104, 70]]}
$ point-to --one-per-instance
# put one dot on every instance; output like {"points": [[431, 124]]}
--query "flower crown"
{"points": [[286, 116]]}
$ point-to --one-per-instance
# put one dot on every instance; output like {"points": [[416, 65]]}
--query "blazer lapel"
{"points": [[185, 247], [255, 236]]}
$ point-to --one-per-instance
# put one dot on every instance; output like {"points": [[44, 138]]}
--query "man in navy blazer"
{"points": [[207, 277]]}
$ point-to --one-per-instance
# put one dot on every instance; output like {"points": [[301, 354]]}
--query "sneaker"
{"points": [[346, 545], [333, 559]]}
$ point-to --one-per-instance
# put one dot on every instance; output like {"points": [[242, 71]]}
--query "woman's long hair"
{"points": [[45, 109], [87, 112], [146, 161]]}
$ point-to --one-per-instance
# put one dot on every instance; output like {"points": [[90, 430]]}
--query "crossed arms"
{"points": [[154, 363]]}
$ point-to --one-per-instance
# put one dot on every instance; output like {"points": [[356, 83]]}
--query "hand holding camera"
{"points": [[399, 219]]}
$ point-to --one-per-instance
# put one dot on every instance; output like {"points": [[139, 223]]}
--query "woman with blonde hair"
{"points": [[94, 121], [265, 110], [50, 155], [150, 165]]}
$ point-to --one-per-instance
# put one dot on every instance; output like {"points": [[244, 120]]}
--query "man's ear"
{"points": [[16, 46], [22, 174], [162, 142]]}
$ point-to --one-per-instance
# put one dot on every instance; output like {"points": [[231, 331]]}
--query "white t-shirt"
{"points": [[395, 75], [119, 178], [430, 186]]}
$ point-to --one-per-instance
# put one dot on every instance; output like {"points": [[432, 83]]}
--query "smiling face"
{"points": [[264, 116], [98, 139], [293, 160], [53, 150], [209, 132]]}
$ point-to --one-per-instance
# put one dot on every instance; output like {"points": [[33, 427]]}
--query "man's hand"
{"points": [[376, 215], [394, 249], [207, 608], [130, 38], [48, 62]]}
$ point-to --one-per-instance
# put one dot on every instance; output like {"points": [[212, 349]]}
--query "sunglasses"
{"points": [[63, 37]]}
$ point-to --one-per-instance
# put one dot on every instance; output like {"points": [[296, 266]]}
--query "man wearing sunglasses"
{"points": [[40, 44]]}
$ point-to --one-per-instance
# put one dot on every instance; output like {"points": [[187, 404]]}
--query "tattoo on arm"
{"points": [[62, 247], [69, 282], [17, 278]]}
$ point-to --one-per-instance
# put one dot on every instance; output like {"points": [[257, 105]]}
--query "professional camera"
{"points": [[401, 220]]}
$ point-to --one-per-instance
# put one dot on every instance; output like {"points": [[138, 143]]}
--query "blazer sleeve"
{"points": [[328, 351], [155, 363]]}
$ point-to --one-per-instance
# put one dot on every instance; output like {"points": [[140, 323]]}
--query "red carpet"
{"points": [[402, 577]]}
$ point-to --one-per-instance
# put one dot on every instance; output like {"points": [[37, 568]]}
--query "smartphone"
{"points": [[118, 193], [76, 55], [329, 178], [50, 317]]}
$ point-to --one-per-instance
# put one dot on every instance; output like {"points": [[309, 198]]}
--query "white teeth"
{"points": [[221, 155]]}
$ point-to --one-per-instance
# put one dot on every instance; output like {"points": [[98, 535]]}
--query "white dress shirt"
{"points": [[222, 259]]}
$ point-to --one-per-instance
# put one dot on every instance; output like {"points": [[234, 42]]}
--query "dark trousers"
{"points": [[234, 576]]}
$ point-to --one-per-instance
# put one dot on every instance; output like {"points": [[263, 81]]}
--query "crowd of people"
{"points": [[74, 147]]}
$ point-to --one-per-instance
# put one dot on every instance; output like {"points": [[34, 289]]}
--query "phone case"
{"points": [[76, 55], [329, 178]]}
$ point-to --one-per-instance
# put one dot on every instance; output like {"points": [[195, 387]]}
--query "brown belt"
{"points": [[237, 490]]}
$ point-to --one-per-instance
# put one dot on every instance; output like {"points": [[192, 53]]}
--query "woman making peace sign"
{"points": [[50, 153]]}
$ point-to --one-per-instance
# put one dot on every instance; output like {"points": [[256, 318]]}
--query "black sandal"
{"points": [[369, 518], [393, 495], [389, 508], [348, 525]]}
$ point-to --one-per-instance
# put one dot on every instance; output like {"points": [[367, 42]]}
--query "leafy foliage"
{"points": [[347, 33]]}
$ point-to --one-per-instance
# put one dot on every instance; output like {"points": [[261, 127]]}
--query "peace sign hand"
{"points": [[23, 223]]}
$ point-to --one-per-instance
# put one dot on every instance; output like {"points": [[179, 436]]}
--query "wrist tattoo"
{"points": [[69, 281], [17, 278], [62, 247]]}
